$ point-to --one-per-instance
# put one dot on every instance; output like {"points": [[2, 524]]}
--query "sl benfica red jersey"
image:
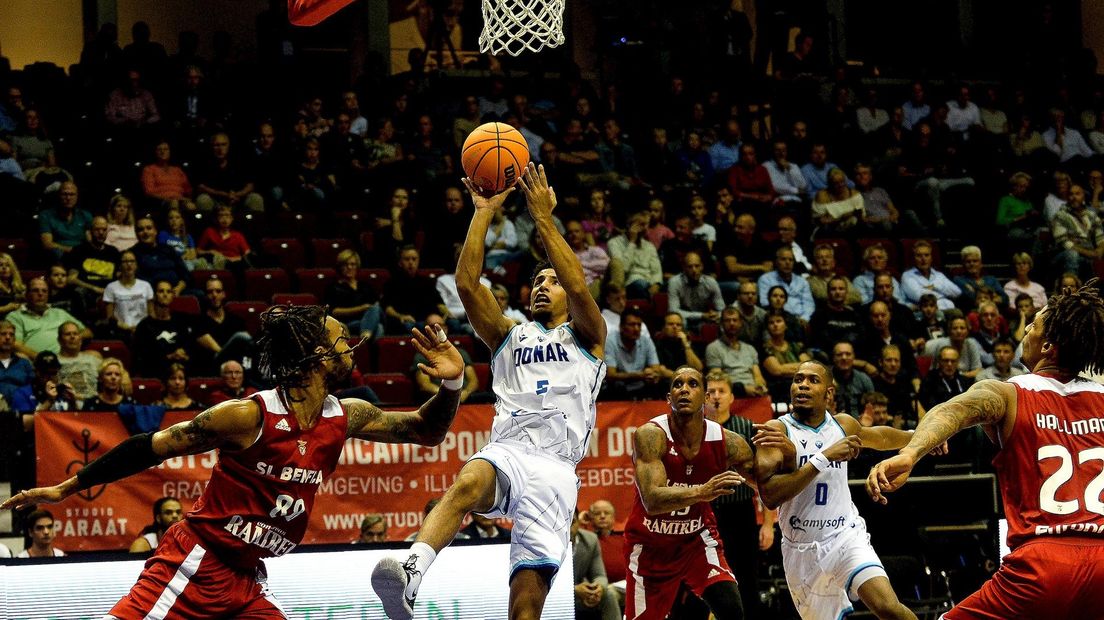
{"points": [[1051, 469], [258, 502], [671, 529]]}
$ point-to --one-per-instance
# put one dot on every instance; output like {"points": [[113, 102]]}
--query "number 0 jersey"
{"points": [[824, 508], [546, 384], [259, 499], [1051, 470]]}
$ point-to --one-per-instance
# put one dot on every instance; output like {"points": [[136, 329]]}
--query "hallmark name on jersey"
{"points": [[1051, 422]]}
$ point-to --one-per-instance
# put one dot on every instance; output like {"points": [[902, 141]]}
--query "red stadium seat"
{"points": [[315, 281], [200, 388], [709, 331], [185, 304], [923, 365], [147, 391], [17, 249], [294, 299], [200, 277], [326, 251], [392, 388], [264, 283], [464, 343], [659, 306], [349, 224], [248, 311], [288, 252], [367, 242], [376, 278], [483, 373], [300, 225], [432, 273], [362, 355], [111, 348], [394, 354]]}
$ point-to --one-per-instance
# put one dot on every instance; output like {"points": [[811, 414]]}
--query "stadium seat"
{"points": [[709, 332], [349, 224], [923, 365], [432, 273], [17, 249], [111, 348], [392, 389], [326, 251], [464, 343], [147, 391], [300, 225], [367, 242], [363, 356], [315, 281], [294, 299], [659, 306], [483, 373], [264, 283], [200, 388], [394, 354], [376, 278], [288, 252], [229, 282], [185, 304], [248, 311]]}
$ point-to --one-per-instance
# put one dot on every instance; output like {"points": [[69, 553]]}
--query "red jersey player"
{"points": [[683, 462], [275, 448], [1050, 428]]}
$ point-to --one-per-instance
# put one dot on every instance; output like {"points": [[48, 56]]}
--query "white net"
{"points": [[514, 26]]}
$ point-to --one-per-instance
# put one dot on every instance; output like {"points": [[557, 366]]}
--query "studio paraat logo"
{"points": [[89, 446]]}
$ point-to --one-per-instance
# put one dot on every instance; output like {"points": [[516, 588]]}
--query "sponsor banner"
{"points": [[395, 480]]}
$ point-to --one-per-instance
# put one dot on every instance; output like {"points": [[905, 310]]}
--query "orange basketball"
{"points": [[494, 155]]}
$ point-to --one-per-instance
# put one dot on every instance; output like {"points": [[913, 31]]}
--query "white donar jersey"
{"points": [[824, 508], [546, 384]]}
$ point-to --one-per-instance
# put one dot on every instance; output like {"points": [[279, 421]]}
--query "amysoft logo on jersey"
{"points": [[795, 524]]}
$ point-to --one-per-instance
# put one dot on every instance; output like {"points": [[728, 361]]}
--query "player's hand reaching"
{"points": [[443, 360], [770, 437], [721, 484], [888, 476], [539, 195], [844, 449], [483, 200], [41, 495]]}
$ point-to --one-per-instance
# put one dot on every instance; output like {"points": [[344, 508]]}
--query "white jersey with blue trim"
{"points": [[824, 508], [546, 383]]}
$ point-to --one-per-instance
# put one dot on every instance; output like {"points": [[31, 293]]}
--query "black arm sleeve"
{"points": [[135, 454]]}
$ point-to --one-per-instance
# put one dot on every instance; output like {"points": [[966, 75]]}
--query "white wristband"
{"points": [[453, 384], [819, 461]]}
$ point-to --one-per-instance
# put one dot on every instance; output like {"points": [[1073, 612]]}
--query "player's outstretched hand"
{"points": [[539, 195], [483, 200], [770, 437], [941, 449], [30, 497], [444, 361], [844, 449], [721, 484], [888, 476]]}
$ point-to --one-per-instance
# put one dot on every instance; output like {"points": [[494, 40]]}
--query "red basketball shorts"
{"points": [[655, 573]]}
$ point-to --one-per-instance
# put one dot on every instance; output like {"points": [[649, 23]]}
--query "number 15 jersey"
{"points": [[824, 508]]}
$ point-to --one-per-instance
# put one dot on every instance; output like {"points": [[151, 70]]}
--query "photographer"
{"points": [[46, 393]]}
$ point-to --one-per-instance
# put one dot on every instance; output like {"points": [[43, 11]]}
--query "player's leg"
{"points": [[648, 596], [855, 566], [528, 591], [724, 600], [878, 596], [708, 576]]}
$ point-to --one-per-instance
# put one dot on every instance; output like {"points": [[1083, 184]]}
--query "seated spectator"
{"points": [[93, 263], [875, 261], [315, 184], [987, 327], [1016, 215], [502, 296], [269, 163], [835, 321], [351, 302], [695, 168], [837, 209], [1002, 369], [602, 517], [223, 181], [741, 253], [945, 382], [725, 152], [593, 598], [597, 222], [1025, 315], [657, 231], [36, 322], [824, 270], [228, 338], [165, 182], [967, 350], [633, 370], [409, 297], [176, 390], [782, 357], [223, 244], [673, 346], [674, 250], [1059, 195], [113, 388], [878, 334], [127, 300], [816, 171], [158, 262], [12, 289], [45, 393], [484, 528], [1078, 237], [120, 223], [694, 295], [738, 360], [973, 280], [898, 387], [165, 337], [41, 531], [851, 382], [166, 511], [373, 529], [427, 385], [233, 384], [880, 215], [613, 303], [501, 241], [751, 183], [1065, 142], [65, 226], [754, 316], [638, 257], [79, 369], [785, 176], [63, 295], [15, 372], [130, 106], [787, 238], [32, 146], [595, 261], [931, 323], [799, 297], [1022, 284], [869, 117], [176, 236], [924, 279], [1026, 141]]}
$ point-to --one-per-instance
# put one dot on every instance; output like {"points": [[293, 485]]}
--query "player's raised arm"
{"points": [[649, 445], [479, 303], [586, 318], [430, 422], [986, 402], [776, 485], [232, 424], [874, 437]]}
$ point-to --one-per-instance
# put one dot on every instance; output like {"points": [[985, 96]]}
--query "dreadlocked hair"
{"points": [[289, 337], [1074, 322]]}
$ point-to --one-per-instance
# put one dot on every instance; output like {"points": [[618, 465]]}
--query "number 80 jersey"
{"points": [[824, 508], [1051, 469]]}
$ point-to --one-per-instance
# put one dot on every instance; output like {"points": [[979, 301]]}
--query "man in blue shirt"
{"points": [[800, 302], [632, 364]]}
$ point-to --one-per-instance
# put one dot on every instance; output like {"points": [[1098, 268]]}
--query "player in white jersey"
{"points": [[546, 378], [826, 551]]}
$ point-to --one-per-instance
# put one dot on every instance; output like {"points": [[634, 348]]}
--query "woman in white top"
{"points": [[120, 223], [1022, 283], [128, 299]]}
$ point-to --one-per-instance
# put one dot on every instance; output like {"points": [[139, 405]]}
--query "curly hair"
{"points": [[289, 337], [1074, 322]]}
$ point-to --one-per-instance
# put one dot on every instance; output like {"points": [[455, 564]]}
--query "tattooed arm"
{"points": [[233, 424], [988, 402], [426, 426]]}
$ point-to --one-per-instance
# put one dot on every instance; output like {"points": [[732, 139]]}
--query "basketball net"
{"points": [[514, 26]]}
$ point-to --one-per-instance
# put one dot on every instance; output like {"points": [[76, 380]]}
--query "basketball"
{"points": [[494, 155]]}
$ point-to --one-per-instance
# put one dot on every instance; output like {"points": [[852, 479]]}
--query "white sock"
{"points": [[424, 554]]}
